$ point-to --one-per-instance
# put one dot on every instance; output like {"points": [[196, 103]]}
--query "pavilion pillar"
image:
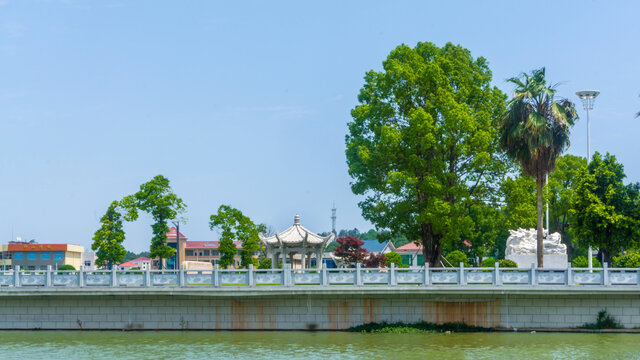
{"points": [[303, 260], [291, 259], [319, 259], [308, 255], [274, 260]]}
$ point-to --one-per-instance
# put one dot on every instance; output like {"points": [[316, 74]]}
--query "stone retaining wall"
{"points": [[308, 312]]}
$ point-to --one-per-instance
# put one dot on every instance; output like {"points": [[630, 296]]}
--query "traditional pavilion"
{"points": [[296, 240]]}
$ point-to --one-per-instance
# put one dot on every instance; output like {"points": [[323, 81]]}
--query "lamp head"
{"points": [[588, 98]]}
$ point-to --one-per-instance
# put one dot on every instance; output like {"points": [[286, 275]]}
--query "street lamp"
{"points": [[588, 97], [176, 223]]}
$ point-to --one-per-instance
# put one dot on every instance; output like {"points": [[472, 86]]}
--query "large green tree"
{"points": [[235, 226], [606, 211], [156, 198], [422, 146], [107, 241], [535, 131]]}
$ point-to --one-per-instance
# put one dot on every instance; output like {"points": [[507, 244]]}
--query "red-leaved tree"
{"points": [[350, 249], [375, 261]]}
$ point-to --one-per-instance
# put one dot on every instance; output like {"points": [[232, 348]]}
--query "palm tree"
{"points": [[535, 131]]}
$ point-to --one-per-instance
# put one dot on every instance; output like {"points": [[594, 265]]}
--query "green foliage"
{"points": [[457, 257], [66, 267], [265, 264], [131, 255], [605, 210], [628, 260], [561, 189], [490, 231], [422, 147], [583, 262], [107, 241], [506, 263], [234, 226], [520, 202], [402, 328], [156, 198], [603, 321], [489, 262], [535, 131], [393, 258]]}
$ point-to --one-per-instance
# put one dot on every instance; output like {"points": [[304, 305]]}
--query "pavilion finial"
{"points": [[296, 220]]}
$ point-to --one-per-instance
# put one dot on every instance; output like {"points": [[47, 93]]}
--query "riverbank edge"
{"points": [[492, 330]]}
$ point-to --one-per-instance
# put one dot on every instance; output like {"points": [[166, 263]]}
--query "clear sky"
{"points": [[246, 103]]}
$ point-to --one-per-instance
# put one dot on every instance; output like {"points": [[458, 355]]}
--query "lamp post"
{"points": [[588, 97], [176, 223]]}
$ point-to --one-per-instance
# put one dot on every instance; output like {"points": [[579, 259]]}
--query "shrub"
{"points": [[629, 260], [423, 326], [506, 263], [265, 264], [456, 257], [489, 262], [583, 262], [603, 321], [393, 257], [66, 267]]}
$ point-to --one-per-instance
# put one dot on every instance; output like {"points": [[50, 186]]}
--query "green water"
{"points": [[319, 345]]}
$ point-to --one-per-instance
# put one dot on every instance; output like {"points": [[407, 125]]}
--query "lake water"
{"points": [[307, 345]]}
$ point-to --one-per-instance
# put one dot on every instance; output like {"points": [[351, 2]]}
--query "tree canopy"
{"points": [[156, 198], [235, 226], [107, 240], [607, 212], [423, 147]]}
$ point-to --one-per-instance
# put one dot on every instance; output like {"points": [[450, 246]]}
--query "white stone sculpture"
{"points": [[522, 244]]}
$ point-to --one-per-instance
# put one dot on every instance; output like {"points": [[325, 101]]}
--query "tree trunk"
{"points": [[540, 232], [431, 247]]}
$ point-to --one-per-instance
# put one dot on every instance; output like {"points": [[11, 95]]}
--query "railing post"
{"points": [[569, 275], [461, 279], [287, 274], [48, 276], [16, 276], [147, 277], [533, 280], [250, 275], [114, 280], [497, 279], [358, 275], [216, 276], [427, 276], [392, 275], [181, 276], [325, 279], [81, 276], [605, 274]]}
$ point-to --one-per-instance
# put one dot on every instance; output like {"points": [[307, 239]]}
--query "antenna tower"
{"points": [[333, 218]]}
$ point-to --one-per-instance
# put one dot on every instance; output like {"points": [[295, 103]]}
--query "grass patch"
{"points": [[420, 327], [603, 321]]}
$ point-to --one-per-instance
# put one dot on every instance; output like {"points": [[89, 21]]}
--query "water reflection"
{"points": [[318, 345]]}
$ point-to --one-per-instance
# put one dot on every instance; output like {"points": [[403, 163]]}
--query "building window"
{"points": [[31, 255], [87, 263], [58, 255], [19, 255], [189, 253], [45, 255]]}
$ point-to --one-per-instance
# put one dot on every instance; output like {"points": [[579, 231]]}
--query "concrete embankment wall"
{"points": [[308, 311]]}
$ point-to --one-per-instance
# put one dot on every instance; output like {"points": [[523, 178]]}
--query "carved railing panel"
{"points": [[233, 278], [64, 279], [268, 278], [513, 277], [130, 279], [444, 277], [409, 277], [342, 277], [474, 277], [587, 278], [168, 279], [32, 280], [376, 277]]}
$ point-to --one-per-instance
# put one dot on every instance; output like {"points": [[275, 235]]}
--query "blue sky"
{"points": [[246, 103]]}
